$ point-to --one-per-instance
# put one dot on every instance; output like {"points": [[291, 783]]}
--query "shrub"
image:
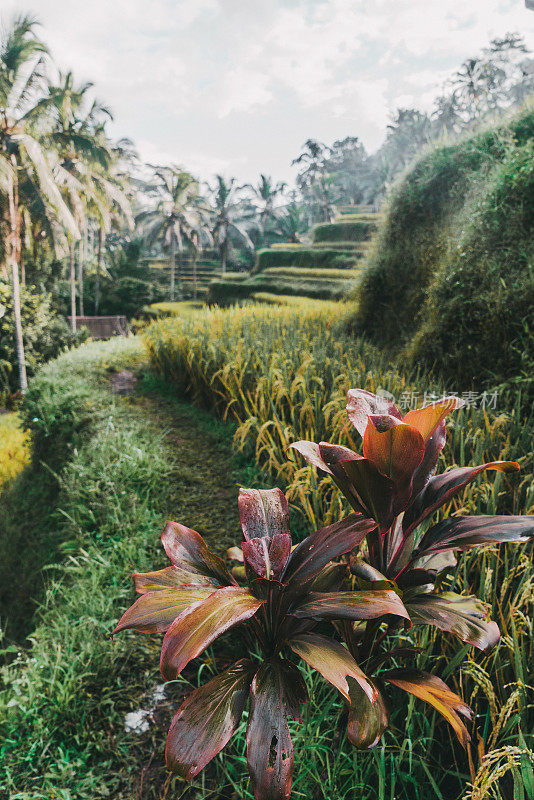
{"points": [[45, 334], [304, 257], [282, 599], [355, 231], [14, 447]]}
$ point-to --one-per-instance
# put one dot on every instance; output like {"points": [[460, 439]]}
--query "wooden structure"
{"points": [[103, 327]]}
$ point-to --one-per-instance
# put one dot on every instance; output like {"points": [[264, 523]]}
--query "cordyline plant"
{"points": [[372, 574]]}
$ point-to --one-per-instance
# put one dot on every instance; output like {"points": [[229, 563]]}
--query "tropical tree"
{"points": [[265, 194], [228, 221], [23, 158], [314, 181], [180, 216], [290, 223]]}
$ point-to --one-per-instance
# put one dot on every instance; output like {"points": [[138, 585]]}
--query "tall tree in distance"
{"points": [[22, 153], [314, 181], [179, 217], [228, 224], [265, 193]]}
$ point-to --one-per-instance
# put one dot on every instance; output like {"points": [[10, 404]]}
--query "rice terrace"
{"points": [[266, 400]]}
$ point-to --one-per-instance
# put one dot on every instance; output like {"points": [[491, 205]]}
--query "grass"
{"points": [[282, 374], [121, 468], [14, 447]]}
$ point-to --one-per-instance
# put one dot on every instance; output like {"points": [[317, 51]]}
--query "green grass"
{"points": [[309, 257]]}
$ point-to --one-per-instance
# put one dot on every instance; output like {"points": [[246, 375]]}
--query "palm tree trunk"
{"points": [[100, 253], [173, 266], [13, 252], [72, 284], [224, 251], [80, 276]]}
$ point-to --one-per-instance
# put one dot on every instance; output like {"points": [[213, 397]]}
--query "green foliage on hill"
{"points": [[354, 231], [450, 278], [323, 257]]}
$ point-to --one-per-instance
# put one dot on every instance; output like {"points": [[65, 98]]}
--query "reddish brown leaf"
{"points": [[367, 720], [396, 450], [188, 551], [351, 605], [201, 624], [465, 617], [462, 533], [207, 719], [361, 405], [334, 662], [434, 691], [154, 612], [426, 419], [263, 512], [318, 549], [269, 746], [169, 577]]}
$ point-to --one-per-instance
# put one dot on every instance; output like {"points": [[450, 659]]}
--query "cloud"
{"points": [[224, 85]]}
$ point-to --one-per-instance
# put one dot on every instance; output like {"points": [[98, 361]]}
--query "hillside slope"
{"points": [[450, 280]]}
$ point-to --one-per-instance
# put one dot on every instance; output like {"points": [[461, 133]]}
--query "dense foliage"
{"points": [[451, 269], [286, 593]]}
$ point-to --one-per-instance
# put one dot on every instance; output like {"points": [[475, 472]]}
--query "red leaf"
{"points": [[263, 512], [361, 404], [268, 557], [351, 605], [269, 746], [154, 612], [334, 662], [442, 488], [426, 419], [201, 624], [396, 450], [434, 691], [367, 720], [206, 720], [462, 533], [188, 551], [169, 577], [463, 616], [317, 550]]}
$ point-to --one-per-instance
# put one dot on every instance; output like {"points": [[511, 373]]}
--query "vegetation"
{"points": [[14, 447], [451, 266], [289, 592]]}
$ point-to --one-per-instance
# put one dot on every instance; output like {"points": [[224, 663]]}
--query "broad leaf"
{"points": [[154, 612], [263, 512], [206, 720], [433, 447], [268, 557], [427, 419], [269, 746], [462, 533], [442, 488], [169, 577], [188, 551], [465, 617], [396, 450], [201, 624], [334, 662], [361, 404], [351, 605], [367, 720], [318, 549], [434, 691]]}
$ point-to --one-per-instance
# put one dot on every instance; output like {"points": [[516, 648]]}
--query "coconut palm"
{"points": [[179, 217], [228, 224], [22, 156], [265, 194]]}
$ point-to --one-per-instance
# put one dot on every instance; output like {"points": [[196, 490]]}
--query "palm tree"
{"points": [[290, 224], [227, 224], [84, 157], [313, 179], [22, 61], [265, 193], [179, 217]]}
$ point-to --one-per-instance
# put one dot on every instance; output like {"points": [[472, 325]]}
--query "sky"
{"points": [[237, 86]]}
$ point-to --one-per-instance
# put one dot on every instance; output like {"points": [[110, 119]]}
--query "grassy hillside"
{"points": [[450, 279]]}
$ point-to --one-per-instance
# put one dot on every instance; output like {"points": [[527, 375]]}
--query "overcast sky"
{"points": [[236, 86]]}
